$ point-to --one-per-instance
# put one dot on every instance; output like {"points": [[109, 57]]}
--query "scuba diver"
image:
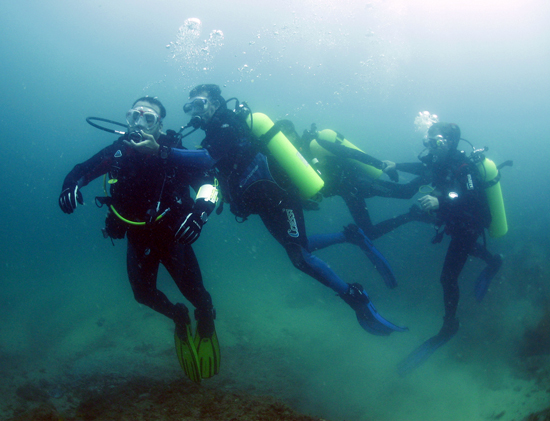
{"points": [[253, 182], [353, 175], [460, 204], [150, 203]]}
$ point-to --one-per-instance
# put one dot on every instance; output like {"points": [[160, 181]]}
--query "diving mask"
{"points": [[435, 142], [142, 117], [196, 106]]}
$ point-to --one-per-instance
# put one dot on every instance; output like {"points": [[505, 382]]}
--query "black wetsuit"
{"points": [[343, 179], [146, 187], [464, 213], [253, 183]]}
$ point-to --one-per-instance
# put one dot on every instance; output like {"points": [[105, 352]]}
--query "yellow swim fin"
{"points": [[208, 351], [187, 353]]}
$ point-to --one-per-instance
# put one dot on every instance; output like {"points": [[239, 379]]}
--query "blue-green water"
{"points": [[364, 69]]}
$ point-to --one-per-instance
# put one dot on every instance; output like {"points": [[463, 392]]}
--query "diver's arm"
{"points": [[82, 174], [148, 145], [206, 199], [342, 151], [199, 158], [191, 225], [416, 168]]}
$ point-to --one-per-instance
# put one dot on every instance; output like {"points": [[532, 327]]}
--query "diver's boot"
{"points": [[449, 328], [367, 316], [354, 235], [181, 317], [185, 346], [206, 343], [205, 322]]}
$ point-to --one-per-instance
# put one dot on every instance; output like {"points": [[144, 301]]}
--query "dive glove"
{"points": [[190, 229], [69, 199]]}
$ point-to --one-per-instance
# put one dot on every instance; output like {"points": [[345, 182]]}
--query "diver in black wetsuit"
{"points": [[342, 179], [460, 205], [150, 203], [253, 183]]}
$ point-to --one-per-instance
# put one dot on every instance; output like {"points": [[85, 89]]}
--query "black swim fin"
{"points": [[355, 235]]}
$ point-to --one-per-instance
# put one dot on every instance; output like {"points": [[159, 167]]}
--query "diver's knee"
{"points": [[297, 257], [142, 297]]}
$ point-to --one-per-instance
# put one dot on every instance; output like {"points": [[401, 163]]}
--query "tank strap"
{"points": [[494, 181], [340, 138], [271, 133]]}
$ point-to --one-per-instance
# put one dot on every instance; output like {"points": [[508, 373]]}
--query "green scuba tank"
{"points": [[491, 177], [295, 165]]}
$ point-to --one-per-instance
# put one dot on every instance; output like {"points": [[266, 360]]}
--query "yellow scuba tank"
{"points": [[331, 136], [295, 165], [491, 176]]}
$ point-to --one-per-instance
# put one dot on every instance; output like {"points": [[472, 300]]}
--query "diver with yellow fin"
{"points": [[150, 204], [463, 210]]}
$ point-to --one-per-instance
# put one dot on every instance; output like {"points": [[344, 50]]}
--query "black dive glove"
{"points": [[69, 199], [190, 229]]}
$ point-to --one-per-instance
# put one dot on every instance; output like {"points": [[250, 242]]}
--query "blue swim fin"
{"points": [[421, 354], [486, 276], [367, 315], [355, 235]]}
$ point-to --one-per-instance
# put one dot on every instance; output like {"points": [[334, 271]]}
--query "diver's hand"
{"points": [[70, 198], [390, 170], [147, 146], [191, 227], [429, 203], [390, 166]]}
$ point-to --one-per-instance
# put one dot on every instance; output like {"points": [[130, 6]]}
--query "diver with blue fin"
{"points": [[261, 173], [150, 204], [466, 199]]}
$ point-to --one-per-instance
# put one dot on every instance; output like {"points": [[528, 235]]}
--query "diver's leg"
{"points": [[286, 223], [455, 259], [320, 241], [387, 189], [182, 265], [360, 214], [142, 262]]}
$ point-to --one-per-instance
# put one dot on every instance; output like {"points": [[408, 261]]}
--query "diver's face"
{"points": [[201, 106], [440, 152], [145, 117], [438, 147]]}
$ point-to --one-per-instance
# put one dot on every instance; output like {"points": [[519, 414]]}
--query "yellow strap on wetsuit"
{"points": [[123, 219]]}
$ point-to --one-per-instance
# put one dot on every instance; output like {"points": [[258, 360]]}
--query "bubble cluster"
{"points": [[424, 120], [190, 52]]}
